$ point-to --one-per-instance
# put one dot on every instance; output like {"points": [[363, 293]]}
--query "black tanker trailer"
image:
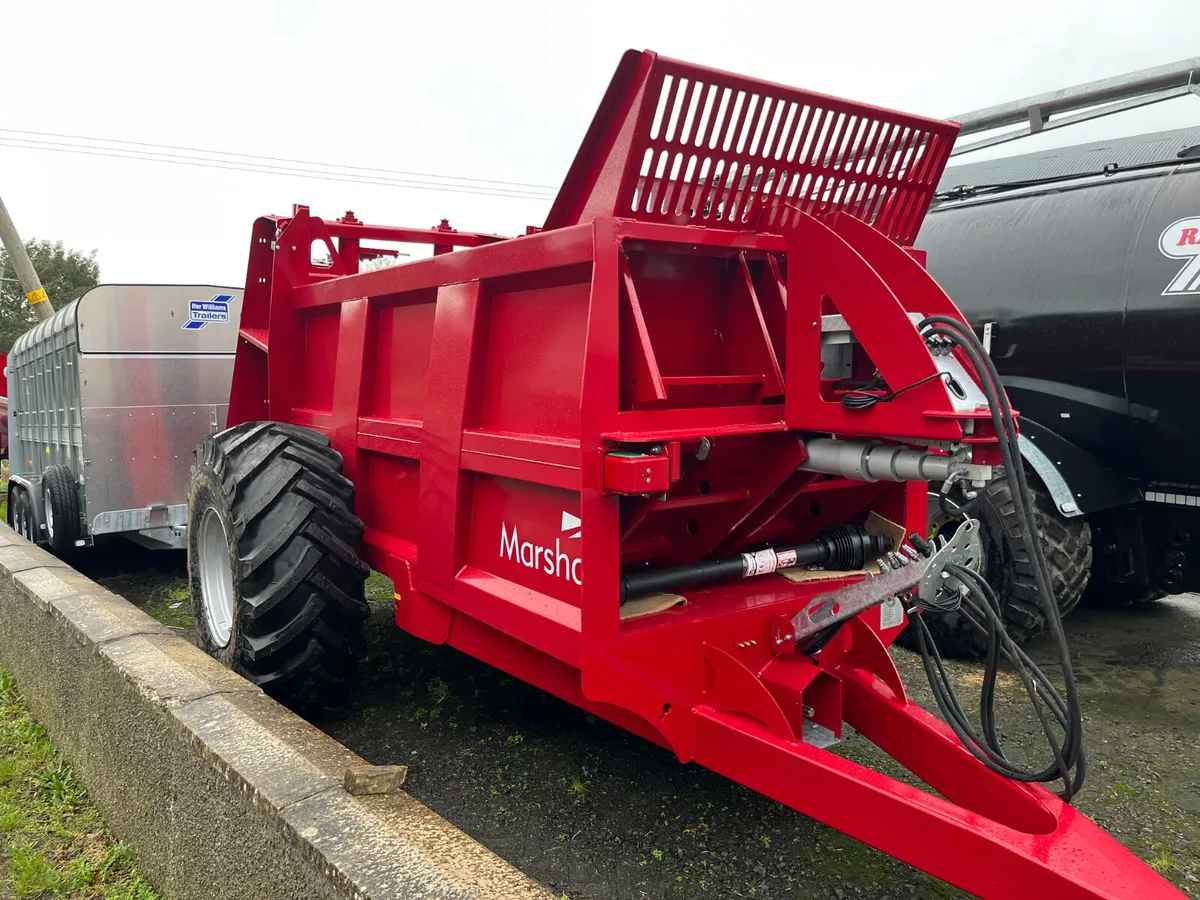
{"points": [[1081, 269]]}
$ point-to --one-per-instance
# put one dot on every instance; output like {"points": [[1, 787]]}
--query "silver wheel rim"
{"points": [[216, 577], [49, 513]]}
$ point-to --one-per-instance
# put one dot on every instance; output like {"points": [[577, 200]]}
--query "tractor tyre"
{"points": [[60, 504], [1008, 567], [277, 580]]}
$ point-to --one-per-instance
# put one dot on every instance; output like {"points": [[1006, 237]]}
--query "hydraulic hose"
{"points": [[981, 608], [844, 547]]}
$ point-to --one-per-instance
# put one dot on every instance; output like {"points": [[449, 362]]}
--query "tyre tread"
{"points": [[60, 483], [1066, 544], [303, 603]]}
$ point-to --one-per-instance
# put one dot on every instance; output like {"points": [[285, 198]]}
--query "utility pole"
{"points": [[34, 293]]}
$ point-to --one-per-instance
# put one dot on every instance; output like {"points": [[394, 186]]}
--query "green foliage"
{"points": [[65, 274], [52, 842], [57, 785]]}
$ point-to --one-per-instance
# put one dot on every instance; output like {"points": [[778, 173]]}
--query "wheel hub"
{"points": [[48, 513], [216, 577], [945, 524]]}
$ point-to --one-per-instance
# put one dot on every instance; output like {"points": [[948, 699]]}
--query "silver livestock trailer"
{"points": [[107, 399]]}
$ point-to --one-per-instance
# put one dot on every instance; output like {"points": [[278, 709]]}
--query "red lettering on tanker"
{"points": [[1181, 240]]}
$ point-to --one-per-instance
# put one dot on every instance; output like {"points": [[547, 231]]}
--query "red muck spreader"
{"points": [[666, 458]]}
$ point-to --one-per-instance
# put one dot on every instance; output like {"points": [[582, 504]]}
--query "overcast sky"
{"points": [[501, 91]]}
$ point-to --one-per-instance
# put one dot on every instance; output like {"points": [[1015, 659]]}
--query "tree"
{"points": [[65, 274]]}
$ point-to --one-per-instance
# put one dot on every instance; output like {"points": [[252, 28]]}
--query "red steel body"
{"points": [[632, 384]]}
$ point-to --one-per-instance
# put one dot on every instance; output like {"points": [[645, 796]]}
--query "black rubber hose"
{"points": [[987, 748], [1069, 754], [983, 607]]}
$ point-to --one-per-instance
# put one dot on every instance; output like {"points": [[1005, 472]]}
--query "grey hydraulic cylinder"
{"points": [[873, 461]]}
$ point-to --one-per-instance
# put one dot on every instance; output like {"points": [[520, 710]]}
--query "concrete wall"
{"points": [[222, 792]]}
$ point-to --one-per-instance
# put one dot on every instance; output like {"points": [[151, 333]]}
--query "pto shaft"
{"points": [[845, 547]]}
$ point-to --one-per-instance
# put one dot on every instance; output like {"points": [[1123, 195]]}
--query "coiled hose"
{"points": [[981, 608]]}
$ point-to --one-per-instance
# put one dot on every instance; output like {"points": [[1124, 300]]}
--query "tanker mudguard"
{"points": [[534, 426], [1078, 482]]}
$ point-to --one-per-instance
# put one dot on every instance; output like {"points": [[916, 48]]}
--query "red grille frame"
{"points": [[688, 145]]}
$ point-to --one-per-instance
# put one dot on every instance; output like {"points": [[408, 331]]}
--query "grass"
{"points": [[154, 582], [53, 843]]}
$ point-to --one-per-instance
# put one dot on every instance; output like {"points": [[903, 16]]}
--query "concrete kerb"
{"points": [[222, 792]]}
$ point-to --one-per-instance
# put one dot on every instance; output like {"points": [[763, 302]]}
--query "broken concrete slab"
{"points": [[362, 780]]}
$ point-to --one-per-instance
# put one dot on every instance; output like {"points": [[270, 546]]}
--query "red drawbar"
{"points": [[632, 386]]}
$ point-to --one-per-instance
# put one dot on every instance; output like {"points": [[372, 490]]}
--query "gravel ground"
{"points": [[593, 812]]}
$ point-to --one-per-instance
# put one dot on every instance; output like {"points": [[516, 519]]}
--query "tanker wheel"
{"points": [[60, 504], [273, 561], [1008, 566]]}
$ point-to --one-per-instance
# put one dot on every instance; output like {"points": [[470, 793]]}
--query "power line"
{"points": [[235, 157], [259, 168], [233, 165]]}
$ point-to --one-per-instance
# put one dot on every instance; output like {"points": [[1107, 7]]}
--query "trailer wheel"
{"points": [[25, 513], [61, 504], [277, 582], [19, 513], [1007, 566]]}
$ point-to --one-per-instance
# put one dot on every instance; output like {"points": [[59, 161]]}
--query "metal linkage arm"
{"points": [[899, 575]]}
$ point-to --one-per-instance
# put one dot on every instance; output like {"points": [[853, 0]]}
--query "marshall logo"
{"points": [[561, 561], [1181, 240]]}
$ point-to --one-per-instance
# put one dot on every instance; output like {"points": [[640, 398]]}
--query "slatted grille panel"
{"points": [[729, 152]]}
